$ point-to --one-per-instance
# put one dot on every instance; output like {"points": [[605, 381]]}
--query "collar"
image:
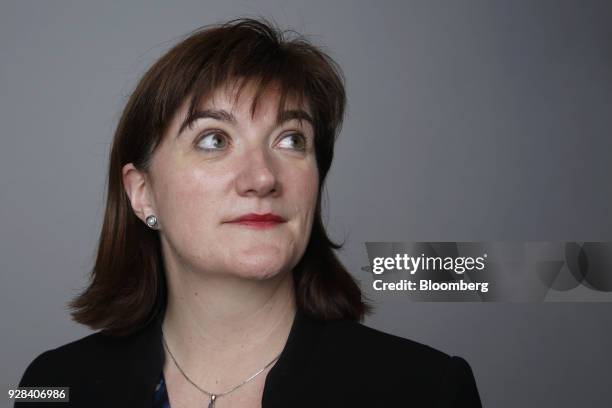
{"points": [[144, 360]]}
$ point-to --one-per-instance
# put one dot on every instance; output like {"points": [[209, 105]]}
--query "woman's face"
{"points": [[226, 165]]}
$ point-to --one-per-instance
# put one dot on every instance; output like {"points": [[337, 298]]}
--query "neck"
{"points": [[221, 329]]}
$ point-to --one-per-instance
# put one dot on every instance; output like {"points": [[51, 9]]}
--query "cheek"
{"points": [[314, 185], [306, 184], [189, 201], [312, 191]]}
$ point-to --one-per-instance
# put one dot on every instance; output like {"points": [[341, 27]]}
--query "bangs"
{"points": [[289, 97], [253, 56]]}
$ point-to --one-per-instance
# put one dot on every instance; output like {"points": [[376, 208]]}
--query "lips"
{"points": [[268, 218]]}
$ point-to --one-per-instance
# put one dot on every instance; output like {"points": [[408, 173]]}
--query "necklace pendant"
{"points": [[213, 397]]}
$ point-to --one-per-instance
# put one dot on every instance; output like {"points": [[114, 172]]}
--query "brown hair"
{"points": [[128, 286]]}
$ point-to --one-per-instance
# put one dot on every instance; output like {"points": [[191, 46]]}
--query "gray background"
{"points": [[471, 120]]}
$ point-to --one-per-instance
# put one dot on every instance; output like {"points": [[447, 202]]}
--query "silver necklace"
{"points": [[213, 397]]}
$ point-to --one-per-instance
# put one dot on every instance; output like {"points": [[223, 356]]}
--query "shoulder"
{"points": [[53, 365], [94, 364], [351, 338], [72, 361], [379, 360]]}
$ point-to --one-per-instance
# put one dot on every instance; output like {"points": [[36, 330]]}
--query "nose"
{"points": [[257, 175]]}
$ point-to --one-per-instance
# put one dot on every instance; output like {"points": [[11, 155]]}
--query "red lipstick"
{"points": [[259, 220]]}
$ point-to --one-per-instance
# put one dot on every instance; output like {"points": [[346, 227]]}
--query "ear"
{"points": [[137, 187]]}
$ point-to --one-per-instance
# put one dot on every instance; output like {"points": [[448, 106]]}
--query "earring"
{"points": [[152, 221]]}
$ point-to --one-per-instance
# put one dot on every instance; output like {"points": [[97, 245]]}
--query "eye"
{"points": [[214, 140], [296, 141]]}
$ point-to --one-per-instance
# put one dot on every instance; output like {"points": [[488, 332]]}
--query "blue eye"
{"points": [[301, 140], [213, 141]]}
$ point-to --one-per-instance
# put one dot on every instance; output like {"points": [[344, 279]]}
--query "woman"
{"points": [[215, 283]]}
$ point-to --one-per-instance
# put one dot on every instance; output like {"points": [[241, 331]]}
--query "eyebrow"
{"points": [[225, 116]]}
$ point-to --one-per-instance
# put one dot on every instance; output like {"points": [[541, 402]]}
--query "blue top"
{"points": [[160, 399]]}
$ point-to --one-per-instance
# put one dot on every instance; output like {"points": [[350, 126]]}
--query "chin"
{"points": [[259, 274], [259, 259], [259, 268]]}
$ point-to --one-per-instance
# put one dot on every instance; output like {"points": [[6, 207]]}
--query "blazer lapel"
{"points": [[287, 380]]}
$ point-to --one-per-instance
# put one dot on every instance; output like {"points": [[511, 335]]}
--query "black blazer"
{"points": [[336, 363]]}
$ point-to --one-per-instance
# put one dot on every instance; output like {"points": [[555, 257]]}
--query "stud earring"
{"points": [[152, 222]]}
